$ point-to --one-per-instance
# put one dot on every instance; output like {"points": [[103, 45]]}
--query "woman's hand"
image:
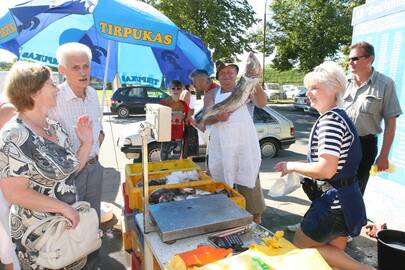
{"points": [[84, 130], [72, 214], [283, 167]]}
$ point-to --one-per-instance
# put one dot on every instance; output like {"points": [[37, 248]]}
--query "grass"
{"points": [[108, 94]]}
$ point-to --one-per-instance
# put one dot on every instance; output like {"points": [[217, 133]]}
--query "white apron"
{"points": [[234, 151]]}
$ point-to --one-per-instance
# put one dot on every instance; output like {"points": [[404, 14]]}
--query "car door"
{"points": [[136, 100], [266, 125]]}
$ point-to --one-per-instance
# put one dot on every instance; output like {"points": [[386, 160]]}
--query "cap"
{"points": [[220, 65]]}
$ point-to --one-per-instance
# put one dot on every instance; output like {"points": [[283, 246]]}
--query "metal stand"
{"points": [[145, 131]]}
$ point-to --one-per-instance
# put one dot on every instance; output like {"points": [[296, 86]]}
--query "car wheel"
{"points": [[123, 112], [154, 152], [269, 148]]}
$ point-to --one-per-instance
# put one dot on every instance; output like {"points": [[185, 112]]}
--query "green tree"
{"points": [[221, 24], [5, 65], [306, 32]]}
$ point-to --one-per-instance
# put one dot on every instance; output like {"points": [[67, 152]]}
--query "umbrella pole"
{"points": [[107, 62]]}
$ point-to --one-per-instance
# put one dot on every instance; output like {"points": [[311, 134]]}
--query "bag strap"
{"points": [[52, 222]]}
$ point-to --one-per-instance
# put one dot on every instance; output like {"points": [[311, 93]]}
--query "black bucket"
{"points": [[391, 249]]}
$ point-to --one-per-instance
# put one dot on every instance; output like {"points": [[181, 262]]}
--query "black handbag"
{"points": [[311, 188], [190, 145]]}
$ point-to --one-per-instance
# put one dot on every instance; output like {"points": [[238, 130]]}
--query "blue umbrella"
{"points": [[128, 38]]}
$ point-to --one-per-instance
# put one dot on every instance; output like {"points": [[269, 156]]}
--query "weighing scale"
{"points": [[182, 219]]}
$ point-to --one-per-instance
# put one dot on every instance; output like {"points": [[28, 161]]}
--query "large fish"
{"points": [[240, 95]]}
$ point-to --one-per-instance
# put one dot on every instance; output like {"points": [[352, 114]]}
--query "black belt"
{"points": [[92, 160], [342, 182], [369, 136]]}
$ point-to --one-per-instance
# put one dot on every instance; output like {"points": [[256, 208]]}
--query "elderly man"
{"points": [[370, 97], [235, 159], [77, 98], [203, 84]]}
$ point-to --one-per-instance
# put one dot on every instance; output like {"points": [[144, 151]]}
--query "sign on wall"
{"points": [[382, 23]]}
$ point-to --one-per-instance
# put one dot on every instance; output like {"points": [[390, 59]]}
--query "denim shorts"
{"points": [[323, 224]]}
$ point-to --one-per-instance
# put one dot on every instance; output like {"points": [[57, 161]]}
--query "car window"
{"points": [[261, 116], [136, 92], [272, 86], [156, 93]]}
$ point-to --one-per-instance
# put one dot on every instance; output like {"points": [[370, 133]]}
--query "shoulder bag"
{"points": [[57, 245]]}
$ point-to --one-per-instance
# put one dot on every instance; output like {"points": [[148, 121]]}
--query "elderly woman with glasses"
{"points": [[337, 210], [37, 162]]}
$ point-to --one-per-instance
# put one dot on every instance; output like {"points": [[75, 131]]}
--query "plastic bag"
{"points": [[285, 185]]}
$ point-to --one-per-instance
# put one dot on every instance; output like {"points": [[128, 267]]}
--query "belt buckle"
{"points": [[326, 186], [92, 161]]}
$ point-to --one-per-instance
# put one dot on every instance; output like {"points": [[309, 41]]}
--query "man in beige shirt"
{"points": [[370, 98]]}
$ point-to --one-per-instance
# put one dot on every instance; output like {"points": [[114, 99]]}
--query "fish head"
{"points": [[253, 68]]}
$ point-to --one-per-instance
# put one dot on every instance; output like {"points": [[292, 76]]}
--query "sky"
{"points": [[258, 7]]}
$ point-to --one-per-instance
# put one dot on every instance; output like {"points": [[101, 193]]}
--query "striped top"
{"points": [[331, 135]]}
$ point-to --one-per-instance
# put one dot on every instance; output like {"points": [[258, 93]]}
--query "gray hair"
{"points": [[199, 73], [72, 48], [330, 75]]}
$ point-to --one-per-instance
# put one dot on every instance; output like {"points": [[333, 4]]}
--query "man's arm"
{"points": [[388, 138], [259, 97]]}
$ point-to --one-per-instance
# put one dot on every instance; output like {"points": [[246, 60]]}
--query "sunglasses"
{"points": [[357, 58], [177, 88]]}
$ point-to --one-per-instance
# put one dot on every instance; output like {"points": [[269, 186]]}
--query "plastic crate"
{"points": [[133, 175], [135, 194], [162, 168]]}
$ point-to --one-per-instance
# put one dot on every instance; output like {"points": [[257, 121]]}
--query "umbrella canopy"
{"points": [[130, 38]]}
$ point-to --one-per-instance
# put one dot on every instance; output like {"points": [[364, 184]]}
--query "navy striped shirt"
{"points": [[331, 135]]}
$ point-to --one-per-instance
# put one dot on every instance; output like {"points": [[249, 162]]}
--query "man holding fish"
{"points": [[234, 151]]}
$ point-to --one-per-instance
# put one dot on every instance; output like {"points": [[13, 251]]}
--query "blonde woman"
{"points": [[337, 211]]}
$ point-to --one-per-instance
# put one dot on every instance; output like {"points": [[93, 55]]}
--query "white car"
{"points": [[274, 131], [274, 91], [292, 91]]}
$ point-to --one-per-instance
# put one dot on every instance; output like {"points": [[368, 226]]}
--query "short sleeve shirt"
{"points": [[48, 167], [69, 107], [373, 101]]}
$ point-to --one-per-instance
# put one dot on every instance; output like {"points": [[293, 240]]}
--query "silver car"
{"points": [[274, 131]]}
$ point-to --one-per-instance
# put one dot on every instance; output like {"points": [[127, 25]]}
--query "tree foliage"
{"points": [[305, 32], [5, 65], [221, 24]]}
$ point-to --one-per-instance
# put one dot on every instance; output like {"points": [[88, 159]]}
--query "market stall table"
{"points": [[162, 252]]}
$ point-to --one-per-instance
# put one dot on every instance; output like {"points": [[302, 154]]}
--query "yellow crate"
{"points": [[135, 194], [127, 241], [133, 175], [162, 168]]}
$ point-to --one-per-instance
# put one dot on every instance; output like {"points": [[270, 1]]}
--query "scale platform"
{"points": [[182, 219]]}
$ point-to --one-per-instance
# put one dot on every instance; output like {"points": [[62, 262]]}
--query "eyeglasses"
{"points": [[357, 58], [177, 88]]}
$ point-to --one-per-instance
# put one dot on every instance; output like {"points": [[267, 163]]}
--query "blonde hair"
{"points": [[331, 76], [24, 80], [69, 49]]}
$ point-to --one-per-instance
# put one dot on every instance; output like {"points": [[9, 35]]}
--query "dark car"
{"points": [[132, 99], [301, 101]]}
